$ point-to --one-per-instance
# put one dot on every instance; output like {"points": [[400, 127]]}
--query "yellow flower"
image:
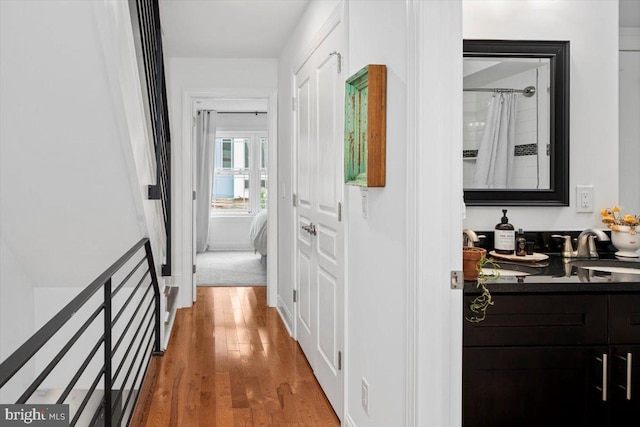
{"points": [[608, 219], [615, 227], [615, 209], [629, 219]]}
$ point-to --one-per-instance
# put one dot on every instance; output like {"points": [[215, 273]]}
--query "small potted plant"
{"points": [[624, 233], [470, 258], [475, 258]]}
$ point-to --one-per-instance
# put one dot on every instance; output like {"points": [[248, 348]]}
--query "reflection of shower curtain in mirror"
{"points": [[494, 165]]}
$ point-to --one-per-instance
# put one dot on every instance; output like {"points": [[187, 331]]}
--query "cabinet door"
{"points": [[533, 386], [625, 386]]}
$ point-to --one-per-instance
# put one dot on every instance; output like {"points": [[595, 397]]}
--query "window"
{"points": [[240, 174]]}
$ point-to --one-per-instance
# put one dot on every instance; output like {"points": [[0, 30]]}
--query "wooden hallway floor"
{"points": [[231, 362]]}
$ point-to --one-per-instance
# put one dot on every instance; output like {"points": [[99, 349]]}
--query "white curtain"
{"points": [[204, 152], [494, 166]]}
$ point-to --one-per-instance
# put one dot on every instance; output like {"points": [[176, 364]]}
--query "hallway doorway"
{"points": [[240, 200]]}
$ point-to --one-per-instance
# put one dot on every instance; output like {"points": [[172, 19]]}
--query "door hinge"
{"points": [[294, 199], [294, 104], [295, 295], [194, 194], [339, 361], [339, 212], [457, 280], [193, 267], [339, 55]]}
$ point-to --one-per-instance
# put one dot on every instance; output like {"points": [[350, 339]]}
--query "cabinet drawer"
{"points": [[624, 318], [516, 320]]}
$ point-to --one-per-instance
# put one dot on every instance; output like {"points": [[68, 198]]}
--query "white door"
{"points": [[319, 91]]}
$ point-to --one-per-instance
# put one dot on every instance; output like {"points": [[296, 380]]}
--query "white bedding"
{"points": [[258, 232]]}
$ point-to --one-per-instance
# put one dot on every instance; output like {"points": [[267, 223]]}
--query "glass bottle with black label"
{"points": [[504, 236]]}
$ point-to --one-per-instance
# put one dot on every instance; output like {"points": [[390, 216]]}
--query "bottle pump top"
{"points": [[504, 219]]}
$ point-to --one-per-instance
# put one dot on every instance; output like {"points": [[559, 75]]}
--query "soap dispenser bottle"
{"points": [[504, 236]]}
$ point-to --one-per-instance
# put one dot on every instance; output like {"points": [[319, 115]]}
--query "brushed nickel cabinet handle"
{"points": [[604, 376], [629, 364]]}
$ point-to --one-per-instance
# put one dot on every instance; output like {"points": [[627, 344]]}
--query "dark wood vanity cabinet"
{"points": [[553, 360]]}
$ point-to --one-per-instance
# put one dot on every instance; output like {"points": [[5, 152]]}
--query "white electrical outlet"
{"points": [[584, 198], [365, 396]]}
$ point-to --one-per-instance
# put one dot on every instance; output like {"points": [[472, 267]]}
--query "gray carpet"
{"points": [[230, 268]]}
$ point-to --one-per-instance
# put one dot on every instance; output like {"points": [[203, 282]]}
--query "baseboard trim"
{"points": [[348, 421], [285, 315]]}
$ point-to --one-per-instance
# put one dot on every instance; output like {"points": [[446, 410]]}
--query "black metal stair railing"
{"points": [[115, 322], [146, 13]]}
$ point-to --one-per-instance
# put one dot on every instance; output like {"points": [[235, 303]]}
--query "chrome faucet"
{"points": [[586, 244], [470, 238]]}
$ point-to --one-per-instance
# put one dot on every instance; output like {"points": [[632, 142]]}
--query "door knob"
{"points": [[311, 229]]}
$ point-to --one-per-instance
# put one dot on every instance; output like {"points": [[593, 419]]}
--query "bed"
{"points": [[258, 233]]}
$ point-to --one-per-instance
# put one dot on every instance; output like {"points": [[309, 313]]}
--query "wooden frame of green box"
{"points": [[365, 127]]}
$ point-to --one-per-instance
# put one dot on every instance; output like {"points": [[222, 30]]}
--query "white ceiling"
{"points": [[254, 28], [228, 28]]}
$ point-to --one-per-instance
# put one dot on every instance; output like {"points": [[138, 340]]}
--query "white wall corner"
{"points": [[436, 116]]}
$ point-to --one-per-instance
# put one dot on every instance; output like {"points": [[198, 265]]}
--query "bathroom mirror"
{"points": [[516, 123]]}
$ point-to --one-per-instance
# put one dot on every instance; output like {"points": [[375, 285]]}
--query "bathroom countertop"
{"points": [[563, 275]]}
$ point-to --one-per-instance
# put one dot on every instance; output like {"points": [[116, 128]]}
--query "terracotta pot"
{"points": [[470, 258]]}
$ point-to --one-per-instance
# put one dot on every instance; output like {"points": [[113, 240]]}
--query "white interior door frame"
{"points": [[189, 99], [434, 310]]}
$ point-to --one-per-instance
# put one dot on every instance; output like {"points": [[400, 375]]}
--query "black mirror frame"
{"points": [[558, 54]]}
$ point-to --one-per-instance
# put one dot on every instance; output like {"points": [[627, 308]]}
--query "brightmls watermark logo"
{"points": [[34, 415]]}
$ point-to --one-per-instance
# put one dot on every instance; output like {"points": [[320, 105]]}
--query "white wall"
{"points": [[74, 163], [16, 317], [185, 74], [376, 246], [230, 233], [594, 98], [67, 207], [316, 14]]}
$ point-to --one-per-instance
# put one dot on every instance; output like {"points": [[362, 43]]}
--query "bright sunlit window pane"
{"points": [[231, 175], [263, 153], [240, 174]]}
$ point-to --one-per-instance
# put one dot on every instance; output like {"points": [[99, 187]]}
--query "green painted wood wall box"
{"points": [[365, 127]]}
